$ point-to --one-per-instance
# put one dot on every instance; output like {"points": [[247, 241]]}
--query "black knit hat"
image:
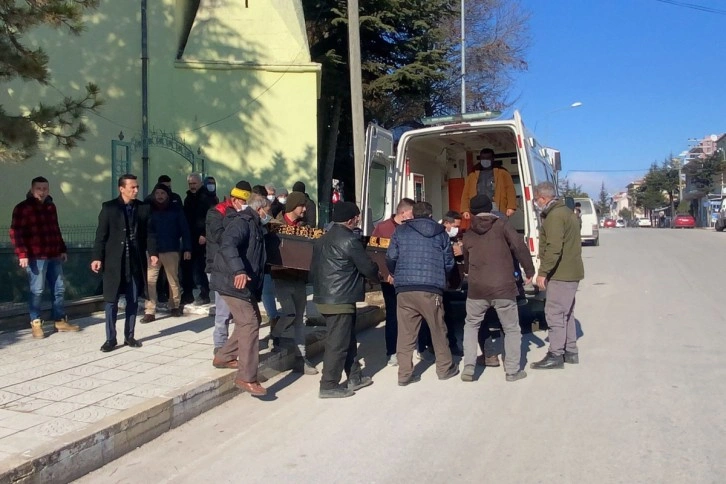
{"points": [[242, 190], [161, 186], [164, 179], [344, 211], [298, 187], [480, 204]]}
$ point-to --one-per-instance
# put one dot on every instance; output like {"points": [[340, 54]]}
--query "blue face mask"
{"points": [[266, 219]]}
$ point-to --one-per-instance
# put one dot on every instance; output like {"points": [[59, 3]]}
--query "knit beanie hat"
{"points": [[298, 187], [242, 190], [294, 200], [480, 204], [344, 211], [161, 186]]}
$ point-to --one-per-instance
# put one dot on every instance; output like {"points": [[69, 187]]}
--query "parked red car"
{"points": [[609, 224], [684, 221]]}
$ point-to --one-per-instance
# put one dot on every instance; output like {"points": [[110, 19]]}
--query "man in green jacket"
{"points": [[560, 272]]}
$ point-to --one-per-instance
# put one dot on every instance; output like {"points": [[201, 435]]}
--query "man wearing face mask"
{"points": [[211, 185], [278, 205], [560, 272], [215, 223], [237, 276], [492, 181], [385, 229]]}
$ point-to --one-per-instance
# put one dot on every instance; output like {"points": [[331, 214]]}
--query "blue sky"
{"points": [[649, 75]]}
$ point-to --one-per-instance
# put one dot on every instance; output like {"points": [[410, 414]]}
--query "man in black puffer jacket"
{"points": [[419, 257], [237, 275], [339, 265]]}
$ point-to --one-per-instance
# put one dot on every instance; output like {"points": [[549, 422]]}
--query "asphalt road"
{"points": [[646, 403]]}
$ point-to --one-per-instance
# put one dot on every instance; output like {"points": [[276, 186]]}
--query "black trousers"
{"points": [[341, 348], [193, 274], [389, 297]]}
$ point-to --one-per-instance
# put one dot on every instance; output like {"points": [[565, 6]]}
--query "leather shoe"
{"points": [[572, 358], [148, 318], [549, 362], [108, 346], [232, 364], [452, 372], [131, 342], [252, 387]]}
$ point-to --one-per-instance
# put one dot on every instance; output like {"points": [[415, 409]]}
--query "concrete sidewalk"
{"points": [[66, 408]]}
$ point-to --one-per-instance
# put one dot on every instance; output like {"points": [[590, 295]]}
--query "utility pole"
{"points": [[356, 97]]}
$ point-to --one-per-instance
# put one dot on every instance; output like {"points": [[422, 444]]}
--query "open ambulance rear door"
{"points": [[378, 178]]}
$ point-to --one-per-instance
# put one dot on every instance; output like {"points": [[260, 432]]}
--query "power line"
{"points": [[607, 171], [694, 6]]}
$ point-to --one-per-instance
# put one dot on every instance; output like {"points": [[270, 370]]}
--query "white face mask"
{"points": [[241, 207], [211, 187], [271, 198], [282, 200], [453, 232]]}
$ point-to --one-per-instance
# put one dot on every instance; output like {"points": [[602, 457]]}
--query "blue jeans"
{"points": [[268, 297], [39, 271], [222, 317], [132, 304]]}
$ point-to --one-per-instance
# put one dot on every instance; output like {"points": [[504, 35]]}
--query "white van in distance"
{"points": [[590, 230]]}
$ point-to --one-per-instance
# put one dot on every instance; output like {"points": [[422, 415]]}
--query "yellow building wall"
{"points": [[252, 115]]}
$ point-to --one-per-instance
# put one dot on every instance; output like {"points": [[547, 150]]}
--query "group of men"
{"points": [[134, 239]]}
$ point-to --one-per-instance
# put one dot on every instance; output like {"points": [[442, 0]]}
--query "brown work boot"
{"points": [[148, 318], [63, 325], [483, 360], [36, 326]]}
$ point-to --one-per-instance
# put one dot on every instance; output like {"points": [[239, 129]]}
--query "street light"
{"points": [[576, 104]]}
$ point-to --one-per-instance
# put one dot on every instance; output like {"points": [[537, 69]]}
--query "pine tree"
{"points": [[20, 132]]}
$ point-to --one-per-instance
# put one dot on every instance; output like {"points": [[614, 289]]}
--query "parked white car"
{"points": [[644, 222], [620, 223]]}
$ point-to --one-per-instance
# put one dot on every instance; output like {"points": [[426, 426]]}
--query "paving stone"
{"points": [[172, 343], [29, 388], [27, 404], [138, 366], [86, 370], [22, 421], [91, 414], [58, 378], [6, 381], [58, 409], [120, 402], [4, 432], [149, 390], [87, 383], [159, 359], [142, 378], [113, 374], [56, 427], [21, 443], [58, 393], [181, 352], [90, 397], [116, 387]]}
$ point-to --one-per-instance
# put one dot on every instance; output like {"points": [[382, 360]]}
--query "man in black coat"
{"points": [[196, 204], [339, 265], [237, 275], [122, 238]]}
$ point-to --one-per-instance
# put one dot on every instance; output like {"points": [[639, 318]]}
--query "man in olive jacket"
{"points": [[339, 265], [560, 272]]}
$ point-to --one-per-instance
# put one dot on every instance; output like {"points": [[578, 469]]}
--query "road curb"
{"points": [[88, 449]]}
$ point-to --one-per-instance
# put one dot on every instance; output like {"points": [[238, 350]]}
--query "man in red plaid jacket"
{"points": [[40, 249]]}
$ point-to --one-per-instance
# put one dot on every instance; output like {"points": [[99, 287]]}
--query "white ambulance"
{"points": [[431, 164]]}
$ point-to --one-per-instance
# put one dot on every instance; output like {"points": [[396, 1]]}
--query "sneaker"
{"points": [[337, 392], [572, 358], [516, 376], [355, 383], [452, 372], [176, 312], [468, 373], [413, 379], [148, 318], [62, 325], [393, 360], [36, 327]]}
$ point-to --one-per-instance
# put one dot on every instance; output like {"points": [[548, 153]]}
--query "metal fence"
{"points": [[73, 235]]}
